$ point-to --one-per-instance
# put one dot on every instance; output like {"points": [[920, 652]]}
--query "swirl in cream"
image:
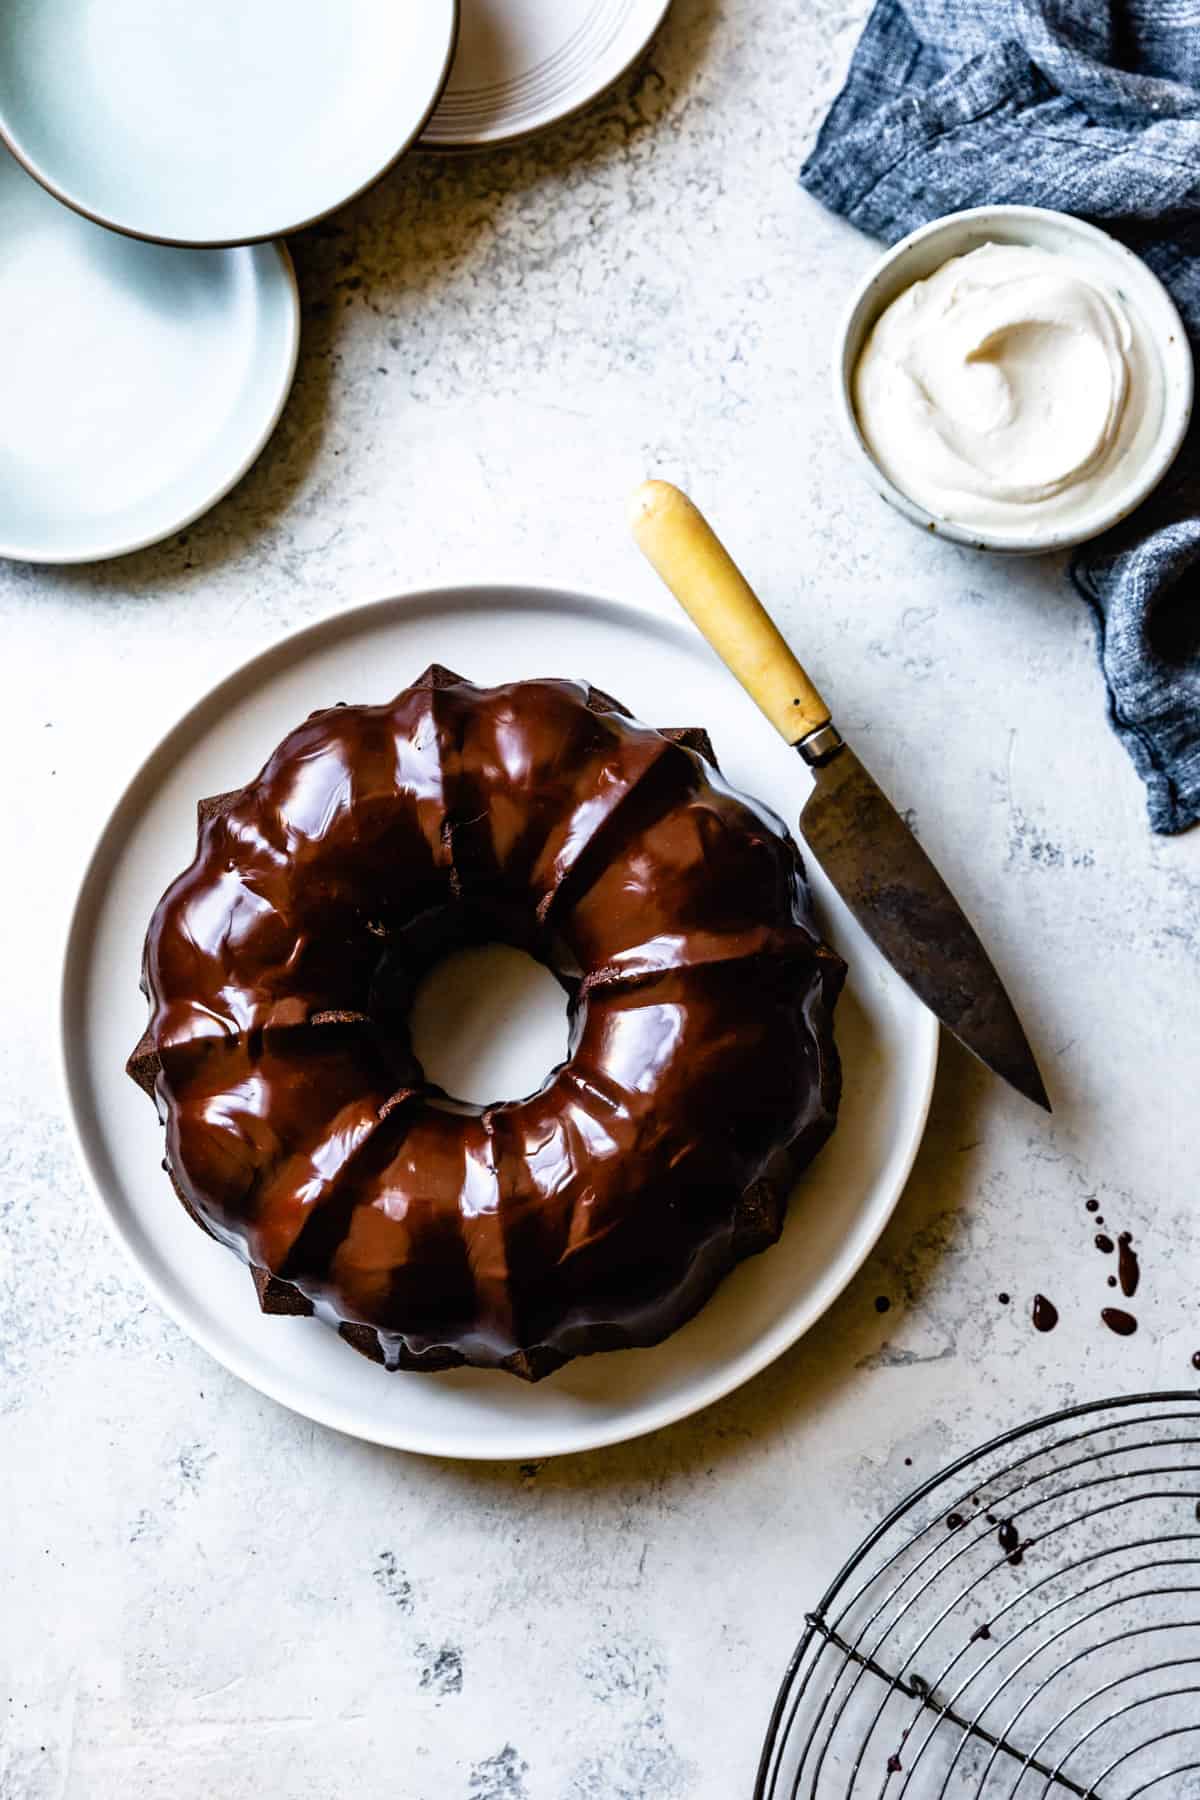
{"points": [[1011, 388]]}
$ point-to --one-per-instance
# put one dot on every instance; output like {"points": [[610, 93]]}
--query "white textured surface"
{"points": [[200, 1596]]}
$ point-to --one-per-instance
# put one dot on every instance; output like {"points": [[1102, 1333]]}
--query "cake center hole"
{"points": [[489, 1024]]}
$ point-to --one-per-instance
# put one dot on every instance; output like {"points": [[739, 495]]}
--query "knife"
{"points": [[864, 846]]}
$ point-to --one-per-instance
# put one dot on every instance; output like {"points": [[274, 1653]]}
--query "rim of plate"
{"points": [[43, 179], [726, 1377], [106, 551], [453, 144]]}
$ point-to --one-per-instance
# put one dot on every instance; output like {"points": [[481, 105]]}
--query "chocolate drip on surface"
{"points": [[1009, 1539], [1045, 1313], [1123, 1323], [1128, 1268]]}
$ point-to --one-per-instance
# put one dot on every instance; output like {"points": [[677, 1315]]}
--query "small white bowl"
{"points": [[923, 252]]}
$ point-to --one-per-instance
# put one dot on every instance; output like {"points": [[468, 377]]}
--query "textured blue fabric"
{"points": [[1093, 107]]}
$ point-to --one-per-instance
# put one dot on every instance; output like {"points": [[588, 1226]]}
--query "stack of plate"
{"points": [[148, 324], [529, 63]]}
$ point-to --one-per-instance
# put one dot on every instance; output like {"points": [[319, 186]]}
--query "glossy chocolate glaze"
{"points": [[1118, 1320], [1129, 1269], [1009, 1539], [597, 1213]]}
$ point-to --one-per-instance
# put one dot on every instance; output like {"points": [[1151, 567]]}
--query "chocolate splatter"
{"points": [[1104, 1243], [1128, 1267], [1045, 1313], [1196, 1360], [1004, 1299], [955, 1521], [1092, 1204], [984, 1631], [1009, 1539], [882, 1304], [1123, 1323]]}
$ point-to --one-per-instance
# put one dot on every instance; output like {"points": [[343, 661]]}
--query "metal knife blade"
{"points": [[864, 846], [894, 891]]}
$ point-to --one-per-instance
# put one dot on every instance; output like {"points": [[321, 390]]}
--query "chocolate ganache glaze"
{"points": [[598, 1213]]}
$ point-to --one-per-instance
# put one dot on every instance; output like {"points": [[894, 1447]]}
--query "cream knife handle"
{"points": [[683, 547]]}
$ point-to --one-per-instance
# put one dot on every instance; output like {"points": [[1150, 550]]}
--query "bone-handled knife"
{"points": [[864, 846]]}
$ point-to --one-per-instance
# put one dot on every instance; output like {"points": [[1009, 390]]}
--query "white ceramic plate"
{"points": [[217, 121], [522, 65], [138, 383], [666, 674]]}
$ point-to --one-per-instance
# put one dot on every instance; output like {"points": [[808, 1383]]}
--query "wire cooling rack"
{"points": [[1027, 1624]]}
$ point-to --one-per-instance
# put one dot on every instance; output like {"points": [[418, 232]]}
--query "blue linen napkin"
{"points": [[1093, 107]]}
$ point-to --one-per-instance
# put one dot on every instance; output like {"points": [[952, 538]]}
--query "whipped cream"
{"points": [[1013, 389]]}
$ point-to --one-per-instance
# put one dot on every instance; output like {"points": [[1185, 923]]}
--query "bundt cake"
{"points": [[599, 1212]]}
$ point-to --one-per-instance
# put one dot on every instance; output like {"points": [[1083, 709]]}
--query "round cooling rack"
{"points": [[1027, 1624]]}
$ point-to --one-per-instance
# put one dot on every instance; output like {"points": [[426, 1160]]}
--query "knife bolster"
{"points": [[822, 745]]}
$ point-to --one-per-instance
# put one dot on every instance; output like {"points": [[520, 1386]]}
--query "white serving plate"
{"points": [[525, 64], [217, 121], [666, 674], [138, 383]]}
